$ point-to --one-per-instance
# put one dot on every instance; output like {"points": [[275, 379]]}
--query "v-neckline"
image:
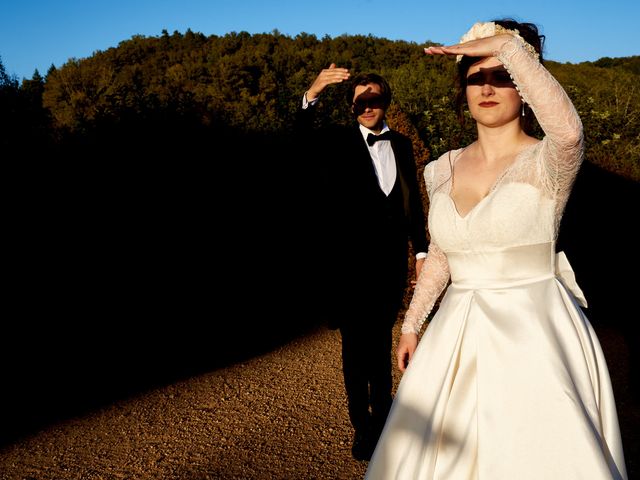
{"points": [[465, 216], [494, 185]]}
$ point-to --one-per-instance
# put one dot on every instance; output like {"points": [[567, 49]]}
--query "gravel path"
{"points": [[278, 416]]}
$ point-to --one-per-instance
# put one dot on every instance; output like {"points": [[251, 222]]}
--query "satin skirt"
{"points": [[508, 382]]}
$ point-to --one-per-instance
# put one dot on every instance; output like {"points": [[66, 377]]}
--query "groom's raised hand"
{"points": [[326, 77]]}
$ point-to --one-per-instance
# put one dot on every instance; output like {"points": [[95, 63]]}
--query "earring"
{"points": [[523, 109]]}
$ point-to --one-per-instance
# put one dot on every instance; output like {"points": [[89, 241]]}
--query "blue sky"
{"points": [[38, 33]]}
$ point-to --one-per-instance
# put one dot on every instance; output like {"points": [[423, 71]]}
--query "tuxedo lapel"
{"points": [[398, 154], [363, 158]]}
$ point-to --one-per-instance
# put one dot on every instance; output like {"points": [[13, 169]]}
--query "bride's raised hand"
{"points": [[482, 47]]}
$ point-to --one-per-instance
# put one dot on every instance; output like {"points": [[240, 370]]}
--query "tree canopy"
{"points": [[253, 84]]}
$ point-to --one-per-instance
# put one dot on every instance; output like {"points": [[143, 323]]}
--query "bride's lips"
{"points": [[488, 104]]}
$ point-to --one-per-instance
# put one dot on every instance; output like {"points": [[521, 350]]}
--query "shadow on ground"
{"points": [[134, 267], [138, 277]]}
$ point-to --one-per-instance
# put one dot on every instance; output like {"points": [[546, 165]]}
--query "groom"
{"points": [[371, 206]]}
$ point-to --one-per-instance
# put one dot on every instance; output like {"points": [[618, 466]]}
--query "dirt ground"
{"points": [[281, 415]]}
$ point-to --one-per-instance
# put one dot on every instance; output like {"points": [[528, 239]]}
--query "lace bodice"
{"points": [[526, 202]]}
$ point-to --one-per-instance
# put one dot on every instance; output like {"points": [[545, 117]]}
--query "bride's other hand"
{"points": [[406, 347]]}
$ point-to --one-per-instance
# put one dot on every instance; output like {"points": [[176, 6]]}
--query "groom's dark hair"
{"points": [[367, 78]]}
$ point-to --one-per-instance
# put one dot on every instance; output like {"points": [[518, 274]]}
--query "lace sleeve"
{"points": [[433, 277], [563, 143]]}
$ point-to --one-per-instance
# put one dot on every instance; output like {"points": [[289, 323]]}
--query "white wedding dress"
{"points": [[508, 381]]}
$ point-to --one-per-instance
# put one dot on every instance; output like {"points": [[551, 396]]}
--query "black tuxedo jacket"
{"points": [[364, 233]]}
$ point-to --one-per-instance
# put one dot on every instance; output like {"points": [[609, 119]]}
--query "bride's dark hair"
{"points": [[529, 32]]}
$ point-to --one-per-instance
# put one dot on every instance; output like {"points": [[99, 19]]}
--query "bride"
{"points": [[509, 380]]}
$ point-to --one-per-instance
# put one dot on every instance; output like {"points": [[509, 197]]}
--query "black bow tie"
{"points": [[371, 138]]}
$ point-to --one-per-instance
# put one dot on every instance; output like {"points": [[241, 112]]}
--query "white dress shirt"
{"points": [[384, 161], [383, 158]]}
